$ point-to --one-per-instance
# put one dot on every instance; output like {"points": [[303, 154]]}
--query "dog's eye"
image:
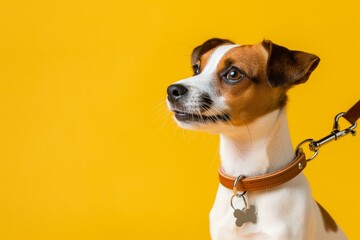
{"points": [[196, 68], [234, 75], [196, 71]]}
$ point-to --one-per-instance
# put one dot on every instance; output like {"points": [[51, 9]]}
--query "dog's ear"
{"points": [[286, 67], [205, 47]]}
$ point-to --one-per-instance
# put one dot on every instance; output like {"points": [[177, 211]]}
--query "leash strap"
{"points": [[353, 114]]}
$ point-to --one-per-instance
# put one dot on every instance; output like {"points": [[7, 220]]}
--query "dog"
{"points": [[240, 93]]}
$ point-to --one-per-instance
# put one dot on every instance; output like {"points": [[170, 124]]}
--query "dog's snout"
{"points": [[176, 91]]}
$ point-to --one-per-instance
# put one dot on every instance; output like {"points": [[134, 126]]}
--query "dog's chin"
{"points": [[197, 122]]}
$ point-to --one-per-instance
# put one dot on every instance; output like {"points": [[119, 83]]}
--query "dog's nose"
{"points": [[175, 92]]}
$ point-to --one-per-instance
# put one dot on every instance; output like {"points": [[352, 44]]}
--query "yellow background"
{"points": [[87, 147]]}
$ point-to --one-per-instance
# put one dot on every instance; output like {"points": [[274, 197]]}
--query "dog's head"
{"points": [[233, 85]]}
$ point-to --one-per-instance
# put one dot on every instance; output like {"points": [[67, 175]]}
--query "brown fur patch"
{"points": [[329, 223], [252, 96]]}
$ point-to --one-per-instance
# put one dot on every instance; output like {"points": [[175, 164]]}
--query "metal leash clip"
{"points": [[336, 134]]}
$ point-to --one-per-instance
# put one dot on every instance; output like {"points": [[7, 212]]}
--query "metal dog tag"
{"points": [[245, 215]]}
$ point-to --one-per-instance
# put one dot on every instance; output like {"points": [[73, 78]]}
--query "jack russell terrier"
{"points": [[240, 92]]}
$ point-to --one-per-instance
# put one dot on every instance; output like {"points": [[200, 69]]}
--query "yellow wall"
{"points": [[87, 147]]}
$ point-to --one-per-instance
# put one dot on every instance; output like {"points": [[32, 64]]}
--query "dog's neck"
{"points": [[257, 148]]}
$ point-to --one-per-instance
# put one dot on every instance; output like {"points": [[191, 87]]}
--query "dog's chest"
{"points": [[225, 229], [223, 226], [273, 207], [223, 222]]}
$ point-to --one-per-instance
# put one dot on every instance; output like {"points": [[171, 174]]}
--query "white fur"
{"points": [[284, 212]]}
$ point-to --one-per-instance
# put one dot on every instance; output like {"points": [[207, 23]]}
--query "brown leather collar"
{"points": [[283, 175], [267, 180]]}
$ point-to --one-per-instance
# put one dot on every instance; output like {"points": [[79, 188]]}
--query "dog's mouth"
{"points": [[193, 117]]}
